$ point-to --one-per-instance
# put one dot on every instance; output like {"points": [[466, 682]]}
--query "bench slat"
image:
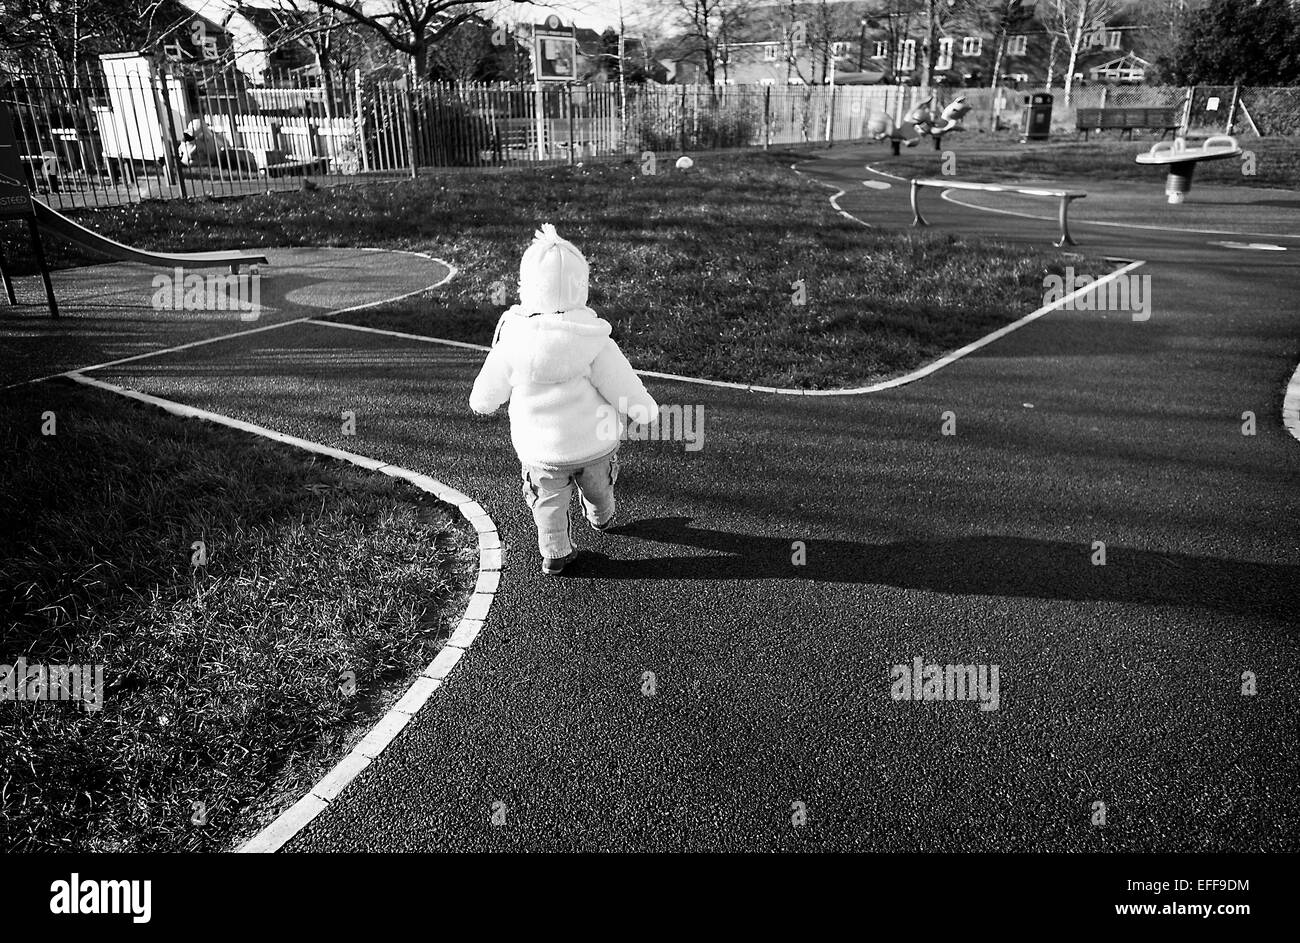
{"points": [[1064, 198], [996, 188]]}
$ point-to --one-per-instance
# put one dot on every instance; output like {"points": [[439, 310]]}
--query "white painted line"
{"points": [[877, 184], [829, 186], [885, 173], [451, 273], [292, 821], [374, 330], [1291, 405], [1257, 246], [903, 380], [934, 366]]}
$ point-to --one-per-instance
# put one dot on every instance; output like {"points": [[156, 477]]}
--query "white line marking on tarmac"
{"points": [[419, 337], [1291, 405], [877, 184], [1258, 246], [451, 273], [912, 377], [829, 186], [885, 173], [491, 563]]}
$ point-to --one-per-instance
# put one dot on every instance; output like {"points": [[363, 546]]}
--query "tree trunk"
{"points": [[1076, 40], [997, 59], [326, 81], [419, 62], [1051, 63]]}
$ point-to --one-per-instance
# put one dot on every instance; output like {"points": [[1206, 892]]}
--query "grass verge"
{"points": [[697, 271], [224, 684]]}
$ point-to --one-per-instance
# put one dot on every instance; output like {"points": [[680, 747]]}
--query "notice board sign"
{"points": [[15, 198], [555, 52]]}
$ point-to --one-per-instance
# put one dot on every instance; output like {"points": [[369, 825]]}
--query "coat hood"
{"points": [[553, 347]]}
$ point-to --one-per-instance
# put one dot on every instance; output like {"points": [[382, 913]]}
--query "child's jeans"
{"points": [[548, 491]]}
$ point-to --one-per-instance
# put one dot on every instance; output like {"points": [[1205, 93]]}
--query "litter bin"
{"points": [[1037, 122]]}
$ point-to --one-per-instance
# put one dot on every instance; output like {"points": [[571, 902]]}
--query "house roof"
{"points": [[1125, 61]]}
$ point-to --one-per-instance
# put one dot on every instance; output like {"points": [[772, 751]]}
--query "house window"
{"points": [[882, 50], [769, 52], [944, 62], [1017, 45], [1114, 40], [839, 50], [971, 46], [907, 56]]}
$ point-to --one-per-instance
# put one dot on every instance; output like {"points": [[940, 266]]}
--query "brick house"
{"points": [[872, 52]]}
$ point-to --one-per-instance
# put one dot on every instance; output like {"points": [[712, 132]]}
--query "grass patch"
{"points": [[222, 682], [1277, 162], [695, 271]]}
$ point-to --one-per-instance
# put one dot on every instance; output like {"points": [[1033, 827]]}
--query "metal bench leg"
{"points": [[917, 218], [1065, 239], [4, 277]]}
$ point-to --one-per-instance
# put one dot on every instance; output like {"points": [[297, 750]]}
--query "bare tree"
{"points": [[61, 35], [1000, 18], [412, 27], [1165, 21], [1074, 22], [323, 33], [459, 55]]}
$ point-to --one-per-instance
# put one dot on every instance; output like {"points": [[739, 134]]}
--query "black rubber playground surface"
{"points": [[1119, 684]]}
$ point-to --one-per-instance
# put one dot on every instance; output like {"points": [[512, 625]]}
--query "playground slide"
{"points": [[53, 221]]}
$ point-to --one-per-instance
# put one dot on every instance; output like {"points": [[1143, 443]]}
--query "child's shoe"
{"points": [[554, 566]]}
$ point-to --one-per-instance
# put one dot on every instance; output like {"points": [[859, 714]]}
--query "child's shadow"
{"points": [[981, 565]]}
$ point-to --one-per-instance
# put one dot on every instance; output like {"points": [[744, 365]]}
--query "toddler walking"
{"points": [[571, 393]]}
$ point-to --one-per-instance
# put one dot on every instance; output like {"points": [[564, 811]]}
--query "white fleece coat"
{"points": [[568, 384]]}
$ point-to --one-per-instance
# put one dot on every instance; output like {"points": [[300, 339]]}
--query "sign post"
{"points": [[16, 203], [555, 59]]}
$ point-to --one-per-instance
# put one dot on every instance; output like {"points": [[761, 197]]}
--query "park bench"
{"points": [[1066, 197], [1126, 120]]}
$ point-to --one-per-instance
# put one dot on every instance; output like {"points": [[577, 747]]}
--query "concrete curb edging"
{"points": [[1291, 405], [491, 561]]}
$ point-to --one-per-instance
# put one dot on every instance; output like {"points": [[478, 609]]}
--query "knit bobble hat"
{"points": [[552, 274]]}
